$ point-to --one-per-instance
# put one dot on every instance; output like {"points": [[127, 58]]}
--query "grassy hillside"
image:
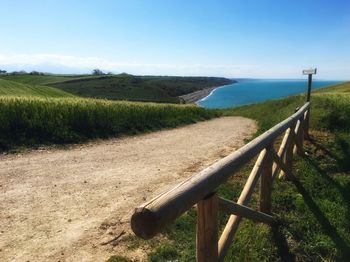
{"points": [[34, 121], [340, 88], [314, 211], [139, 88], [177, 86], [123, 86], [10, 88], [41, 79]]}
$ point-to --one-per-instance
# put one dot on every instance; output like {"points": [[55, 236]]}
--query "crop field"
{"points": [[10, 88], [43, 79], [31, 121]]}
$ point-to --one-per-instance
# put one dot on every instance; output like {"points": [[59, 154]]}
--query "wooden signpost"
{"points": [[308, 72]]}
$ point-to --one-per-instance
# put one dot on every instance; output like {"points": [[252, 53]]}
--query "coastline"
{"points": [[195, 97]]}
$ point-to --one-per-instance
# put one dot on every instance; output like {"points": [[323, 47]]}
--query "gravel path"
{"points": [[67, 205]]}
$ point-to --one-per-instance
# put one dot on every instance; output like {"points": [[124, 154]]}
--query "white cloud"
{"points": [[56, 63]]}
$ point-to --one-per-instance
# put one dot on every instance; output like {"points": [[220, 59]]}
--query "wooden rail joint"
{"points": [[244, 211]]}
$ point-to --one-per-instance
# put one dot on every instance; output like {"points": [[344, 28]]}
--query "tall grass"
{"points": [[10, 88], [332, 111], [32, 121]]}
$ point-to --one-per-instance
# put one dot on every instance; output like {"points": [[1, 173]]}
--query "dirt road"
{"points": [[65, 205]]}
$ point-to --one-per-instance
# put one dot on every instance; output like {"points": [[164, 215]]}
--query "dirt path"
{"points": [[64, 205]]}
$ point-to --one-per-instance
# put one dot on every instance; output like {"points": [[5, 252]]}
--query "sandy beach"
{"points": [[194, 97]]}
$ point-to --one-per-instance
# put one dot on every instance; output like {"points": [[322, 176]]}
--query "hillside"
{"points": [[139, 88], [340, 88], [45, 79], [11, 88], [124, 86]]}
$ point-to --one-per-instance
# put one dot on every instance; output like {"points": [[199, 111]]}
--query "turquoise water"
{"points": [[255, 90]]}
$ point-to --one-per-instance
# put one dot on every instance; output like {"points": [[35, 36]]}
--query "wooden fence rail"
{"points": [[153, 216]]}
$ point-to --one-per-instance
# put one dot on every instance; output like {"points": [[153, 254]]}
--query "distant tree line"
{"points": [[99, 72], [37, 73], [22, 72]]}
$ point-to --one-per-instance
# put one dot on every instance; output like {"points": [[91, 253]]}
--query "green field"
{"points": [[11, 88], [42, 79], [46, 109], [314, 211], [340, 88], [34, 121], [163, 89]]}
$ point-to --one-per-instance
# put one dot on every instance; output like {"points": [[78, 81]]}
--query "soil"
{"points": [[73, 204]]}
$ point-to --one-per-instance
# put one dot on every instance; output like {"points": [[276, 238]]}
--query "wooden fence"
{"points": [[153, 216]]}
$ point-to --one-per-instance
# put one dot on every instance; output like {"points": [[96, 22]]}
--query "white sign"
{"points": [[309, 71]]}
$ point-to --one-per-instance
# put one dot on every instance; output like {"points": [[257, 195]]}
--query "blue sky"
{"points": [[237, 38]]}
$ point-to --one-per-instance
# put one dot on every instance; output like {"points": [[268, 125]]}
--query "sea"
{"points": [[249, 91]]}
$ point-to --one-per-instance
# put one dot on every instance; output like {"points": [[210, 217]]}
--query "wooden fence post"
{"points": [[266, 183], [289, 153], [288, 157], [207, 229], [307, 124], [300, 136]]}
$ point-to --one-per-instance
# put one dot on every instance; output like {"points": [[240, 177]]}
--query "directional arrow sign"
{"points": [[309, 71]]}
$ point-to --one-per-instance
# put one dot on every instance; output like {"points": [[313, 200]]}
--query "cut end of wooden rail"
{"points": [[143, 223]]}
